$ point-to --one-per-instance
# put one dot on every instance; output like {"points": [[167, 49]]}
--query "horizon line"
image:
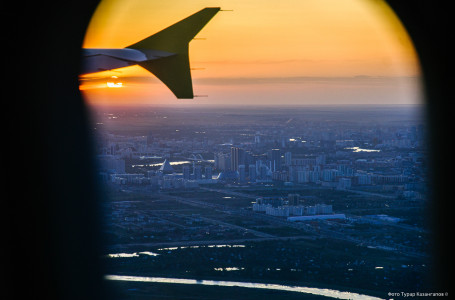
{"points": [[251, 106]]}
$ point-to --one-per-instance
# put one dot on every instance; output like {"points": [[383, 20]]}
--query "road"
{"points": [[132, 246], [255, 232], [228, 192]]}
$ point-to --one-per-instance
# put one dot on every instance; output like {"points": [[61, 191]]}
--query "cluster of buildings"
{"points": [[249, 167], [244, 167], [277, 165], [113, 170], [330, 157], [294, 207]]}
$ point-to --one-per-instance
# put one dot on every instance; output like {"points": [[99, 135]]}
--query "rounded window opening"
{"points": [[256, 142]]}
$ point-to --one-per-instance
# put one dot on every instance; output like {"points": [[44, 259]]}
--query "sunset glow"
{"points": [[301, 52], [114, 84]]}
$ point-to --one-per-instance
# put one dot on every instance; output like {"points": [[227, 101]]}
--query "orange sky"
{"points": [[307, 52]]}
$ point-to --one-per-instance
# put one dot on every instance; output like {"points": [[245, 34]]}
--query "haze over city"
{"points": [[324, 196]]}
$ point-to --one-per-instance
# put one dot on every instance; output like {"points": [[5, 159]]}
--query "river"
{"points": [[300, 289]]}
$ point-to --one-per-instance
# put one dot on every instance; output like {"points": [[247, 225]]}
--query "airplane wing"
{"points": [[174, 70]]}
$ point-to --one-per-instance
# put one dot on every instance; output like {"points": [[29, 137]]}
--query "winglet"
{"points": [[174, 71]]}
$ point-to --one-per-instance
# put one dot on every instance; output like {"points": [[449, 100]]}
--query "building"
{"points": [[260, 207], [344, 183], [288, 158], [329, 174], [388, 179], [132, 179], [304, 161], [363, 179], [275, 158], [237, 158], [310, 210], [303, 176], [166, 167], [171, 182], [280, 176], [281, 211], [314, 176], [322, 209], [307, 176], [297, 210], [223, 161], [345, 170]]}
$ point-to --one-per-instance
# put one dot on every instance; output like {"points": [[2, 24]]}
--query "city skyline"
{"points": [[332, 196]]}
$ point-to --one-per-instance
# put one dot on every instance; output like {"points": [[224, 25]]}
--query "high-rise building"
{"points": [[237, 158], [303, 176], [275, 158], [329, 174], [288, 158], [223, 161]]}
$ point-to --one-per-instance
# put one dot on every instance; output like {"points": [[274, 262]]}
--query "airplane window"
{"points": [[259, 149]]}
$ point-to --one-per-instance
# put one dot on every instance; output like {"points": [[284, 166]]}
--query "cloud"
{"points": [[359, 80]]}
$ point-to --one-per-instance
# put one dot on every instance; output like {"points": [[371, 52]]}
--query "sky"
{"points": [[263, 52]]}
